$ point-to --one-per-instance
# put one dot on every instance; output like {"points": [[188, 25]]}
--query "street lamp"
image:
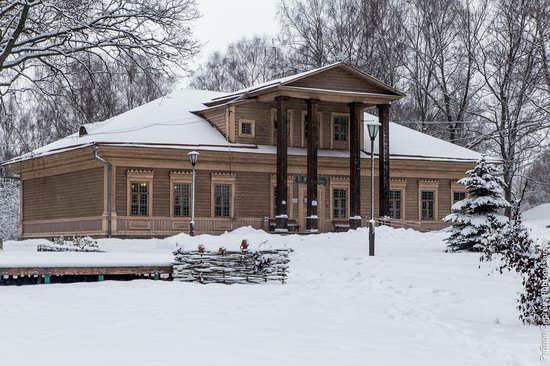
{"points": [[372, 127], [193, 157]]}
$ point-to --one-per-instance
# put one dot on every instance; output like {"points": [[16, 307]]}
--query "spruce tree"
{"points": [[472, 216]]}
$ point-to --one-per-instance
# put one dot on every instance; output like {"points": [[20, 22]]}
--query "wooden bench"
{"points": [[340, 225], [292, 225]]}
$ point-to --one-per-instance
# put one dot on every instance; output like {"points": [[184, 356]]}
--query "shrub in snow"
{"points": [[511, 243], [76, 244], [471, 217], [9, 208]]}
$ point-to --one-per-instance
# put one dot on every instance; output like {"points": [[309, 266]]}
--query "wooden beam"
{"points": [[384, 159], [312, 125], [281, 206], [355, 164]]}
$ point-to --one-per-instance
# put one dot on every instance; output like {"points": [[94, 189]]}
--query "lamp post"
{"points": [[193, 157], [372, 127]]}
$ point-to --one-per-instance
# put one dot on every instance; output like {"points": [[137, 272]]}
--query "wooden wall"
{"points": [[337, 79], [217, 117], [261, 113], [74, 194]]}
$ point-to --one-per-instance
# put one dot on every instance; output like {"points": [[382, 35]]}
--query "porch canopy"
{"points": [[336, 83]]}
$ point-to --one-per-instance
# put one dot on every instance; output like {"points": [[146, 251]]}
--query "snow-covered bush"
{"points": [[9, 208], [471, 217], [76, 244], [511, 243]]}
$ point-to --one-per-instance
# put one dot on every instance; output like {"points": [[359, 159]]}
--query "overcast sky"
{"points": [[224, 21]]}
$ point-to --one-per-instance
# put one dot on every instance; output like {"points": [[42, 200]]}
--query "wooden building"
{"points": [[291, 154]]}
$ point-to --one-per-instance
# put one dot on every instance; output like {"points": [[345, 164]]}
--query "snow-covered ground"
{"points": [[411, 304]]}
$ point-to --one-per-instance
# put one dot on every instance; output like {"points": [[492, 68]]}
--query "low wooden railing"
{"points": [[408, 224]]}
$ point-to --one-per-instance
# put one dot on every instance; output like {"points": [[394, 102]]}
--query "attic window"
{"points": [[82, 131], [246, 127]]}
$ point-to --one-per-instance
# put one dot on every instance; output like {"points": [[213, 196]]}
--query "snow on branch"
{"points": [[35, 34]]}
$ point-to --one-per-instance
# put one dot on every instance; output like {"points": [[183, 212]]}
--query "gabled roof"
{"points": [[288, 80]]}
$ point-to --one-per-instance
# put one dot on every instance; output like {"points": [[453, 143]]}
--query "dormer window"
{"points": [[246, 128]]}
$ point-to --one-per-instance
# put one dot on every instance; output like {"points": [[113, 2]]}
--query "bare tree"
{"points": [[514, 125], [304, 32], [441, 71], [246, 62], [363, 33], [538, 180], [37, 35]]}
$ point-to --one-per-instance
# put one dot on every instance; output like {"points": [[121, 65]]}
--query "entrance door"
{"points": [[302, 207]]}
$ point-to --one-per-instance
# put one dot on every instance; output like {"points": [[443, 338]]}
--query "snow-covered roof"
{"points": [[169, 122], [292, 78], [408, 143]]}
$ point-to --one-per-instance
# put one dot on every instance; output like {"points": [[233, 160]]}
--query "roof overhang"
{"points": [[269, 90]]}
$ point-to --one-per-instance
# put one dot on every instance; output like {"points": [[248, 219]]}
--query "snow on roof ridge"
{"points": [[277, 81]]}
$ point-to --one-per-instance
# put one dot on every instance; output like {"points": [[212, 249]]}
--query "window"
{"points": [[222, 197], [139, 199], [339, 203], [181, 200], [427, 205], [458, 196], [340, 128], [395, 204], [139, 192], [246, 128]]}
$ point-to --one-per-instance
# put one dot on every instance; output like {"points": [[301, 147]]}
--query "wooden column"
{"points": [[281, 206], [384, 159], [312, 221], [355, 110]]}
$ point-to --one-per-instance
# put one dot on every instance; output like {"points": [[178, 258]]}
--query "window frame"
{"points": [[180, 178], [400, 185], [252, 127], [334, 142], [227, 179], [139, 176], [394, 200], [428, 186], [342, 211], [339, 182], [457, 188]]}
